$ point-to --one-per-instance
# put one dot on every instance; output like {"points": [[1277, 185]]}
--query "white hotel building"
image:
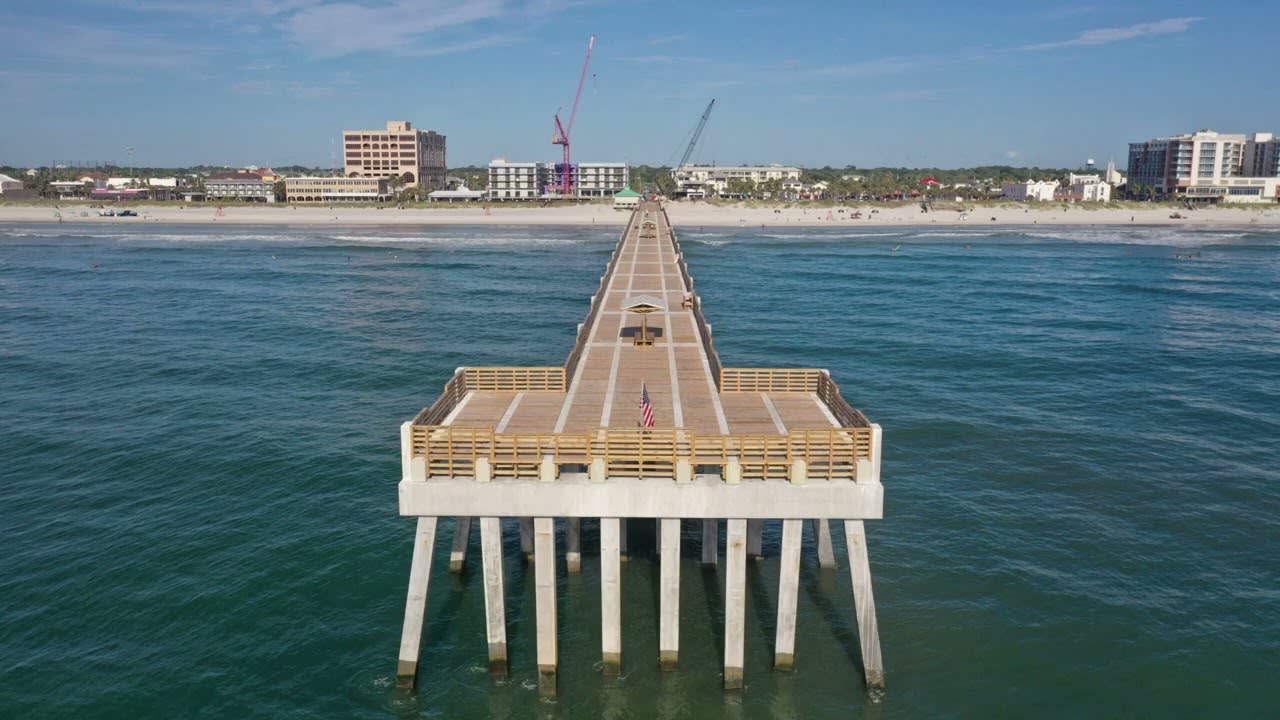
{"points": [[1208, 166]]}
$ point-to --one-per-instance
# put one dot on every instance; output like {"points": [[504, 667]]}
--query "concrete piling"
{"points": [[415, 607], [610, 596], [735, 601], [669, 594], [495, 614]]}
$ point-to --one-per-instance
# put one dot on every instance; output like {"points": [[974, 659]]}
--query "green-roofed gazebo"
{"points": [[626, 199]]}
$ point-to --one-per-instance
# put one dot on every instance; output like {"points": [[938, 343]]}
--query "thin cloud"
{"points": [[1103, 36], [666, 39], [345, 29], [665, 59]]}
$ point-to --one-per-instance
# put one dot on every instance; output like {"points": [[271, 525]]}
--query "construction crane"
{"points": [[697, 133], [693, 142], [563, 132]]}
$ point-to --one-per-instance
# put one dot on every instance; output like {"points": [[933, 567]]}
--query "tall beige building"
{"points": [[415, 157]]}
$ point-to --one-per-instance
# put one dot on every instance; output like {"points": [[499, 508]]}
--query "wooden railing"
{"points": [[515, 379], [829, 454], [769, 379], [454, 391], [846, 414]]}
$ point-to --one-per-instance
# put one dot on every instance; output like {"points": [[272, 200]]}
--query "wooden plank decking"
{"points": [[604, 391]]}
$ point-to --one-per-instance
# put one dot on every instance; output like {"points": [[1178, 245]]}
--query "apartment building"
{"points": [[414, 158], [518, 180], [533, 180], [242, 186], [336, 189], [601, 179]]}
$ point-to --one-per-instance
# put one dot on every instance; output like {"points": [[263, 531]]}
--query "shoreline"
{"points": [[683, 215]]}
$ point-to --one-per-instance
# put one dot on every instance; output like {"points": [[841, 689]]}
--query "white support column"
{"points": [[622, 539], [573, 545], [461, 537], [495, 613], [864, 604], [822, 539], [784, 646], [526, 538], [669, 594], [610, 596], [710, 541], [735, 601], [415, 606], [544, 574], [755, 538]]}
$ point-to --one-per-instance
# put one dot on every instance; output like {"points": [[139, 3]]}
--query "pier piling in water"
{"points": [[642, 421]]}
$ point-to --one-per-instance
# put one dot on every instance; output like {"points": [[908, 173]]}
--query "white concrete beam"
{"points": [[864, 603], [669, 594], [544, 579], [415, 606], [702, 498], [735, 601], [610, 595], [784, 646], [495, 613]]}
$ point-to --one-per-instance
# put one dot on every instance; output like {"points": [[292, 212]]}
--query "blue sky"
{"points": [[922, 83]]}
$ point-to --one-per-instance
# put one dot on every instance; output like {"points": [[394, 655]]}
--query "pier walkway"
{"points": [[735, 444]]}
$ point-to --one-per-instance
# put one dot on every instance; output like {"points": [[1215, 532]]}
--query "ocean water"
{"points": [[200, 453]]}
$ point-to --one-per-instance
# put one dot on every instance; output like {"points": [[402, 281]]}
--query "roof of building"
{"points": [[627, 192], [6, 178], [238, 175]]}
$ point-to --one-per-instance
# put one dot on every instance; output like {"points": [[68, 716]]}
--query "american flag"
{"points": [[646, 407]]}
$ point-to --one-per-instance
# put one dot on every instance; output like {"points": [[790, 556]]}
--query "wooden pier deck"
{"points": [[738, 444]]}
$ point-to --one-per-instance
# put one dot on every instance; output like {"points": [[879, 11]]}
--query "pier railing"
{"points": [[597, 299], [794, 380], [828, 454], [704, 327], [491, 379]]}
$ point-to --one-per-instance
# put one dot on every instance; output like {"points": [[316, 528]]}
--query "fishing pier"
{"points": [[727, 447]]}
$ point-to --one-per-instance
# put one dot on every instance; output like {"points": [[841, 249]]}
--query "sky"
{"points": [[919, 84]]}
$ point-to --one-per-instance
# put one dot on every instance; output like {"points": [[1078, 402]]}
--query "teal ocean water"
{"points": [[200, 453]]}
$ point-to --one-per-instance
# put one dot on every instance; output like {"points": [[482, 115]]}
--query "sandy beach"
{"points": [[682, 215]]}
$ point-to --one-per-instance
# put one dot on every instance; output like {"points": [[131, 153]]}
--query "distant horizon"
{"points": [[274, 82]]}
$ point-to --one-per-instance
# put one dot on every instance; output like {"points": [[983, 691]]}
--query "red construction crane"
{"points": [[562, 133]]}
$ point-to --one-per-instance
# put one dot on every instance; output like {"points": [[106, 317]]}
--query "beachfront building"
{"points": [[239, 186], [413, 158], [1172, 164], [535, 180], [8, 184], [461, 194], [601, 179], [1235, 190], [1030, 190], [1262, 155], [335, 189], [65, 189], [700, 181], [1087, 187], [518, 180]]}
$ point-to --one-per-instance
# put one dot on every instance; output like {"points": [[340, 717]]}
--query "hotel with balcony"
{"points": [[1208, 166], [414, 158]]}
